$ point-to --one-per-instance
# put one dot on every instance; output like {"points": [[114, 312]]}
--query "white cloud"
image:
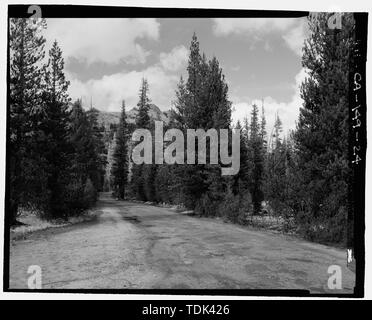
{"points": [[108, 92], [226, 26], [175, 59], [292, 30], [295, 38], [267, 46], [288, 112], [102, 40]]}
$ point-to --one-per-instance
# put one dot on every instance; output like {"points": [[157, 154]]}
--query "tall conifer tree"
{"points": [[26, 54], [321, 139], [56, 147], [140, 179], [256, 161], [120, 164]]}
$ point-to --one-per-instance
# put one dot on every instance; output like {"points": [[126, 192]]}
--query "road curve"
{"points": [[138, 246]]}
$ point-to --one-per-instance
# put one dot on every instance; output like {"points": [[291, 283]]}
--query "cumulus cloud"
{"points": [[103, 40], [292, 30], [288, 112], [174, 60], [108, 91]]}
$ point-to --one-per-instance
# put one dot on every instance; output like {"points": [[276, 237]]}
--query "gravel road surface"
{"points": [[138, 246]]}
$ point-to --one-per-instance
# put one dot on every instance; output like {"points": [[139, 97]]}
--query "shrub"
{"points": [[162, 184], [34, 195], [80, 196], [90, 194], [74, 195], [235, 207], [205, 206]]}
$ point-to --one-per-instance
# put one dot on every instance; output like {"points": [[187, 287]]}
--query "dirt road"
{"points": [[138, 246]]}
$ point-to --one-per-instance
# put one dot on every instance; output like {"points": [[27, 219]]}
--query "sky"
{"points": [[105, 60]]}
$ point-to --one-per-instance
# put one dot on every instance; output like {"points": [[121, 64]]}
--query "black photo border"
{"points": [[357, 186]]}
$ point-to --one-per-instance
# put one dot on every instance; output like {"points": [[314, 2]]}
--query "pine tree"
{"points": [[119, 169], [193, 178], [187, 180], [84, 167], [56, 84], [97, 160], [141, 179], [241, 180], [25, 108], [80, 141], [178, 115], [263, 127], [55, 124], [321, 139], [143, 118], [193, 85], [217, 115], [277, 166], [246, 128], [218, 101], [256, 161], [202, 102], [278, 129], [111, 146]]}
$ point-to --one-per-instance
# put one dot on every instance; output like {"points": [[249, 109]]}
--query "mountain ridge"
{"points": [[106, 118]]}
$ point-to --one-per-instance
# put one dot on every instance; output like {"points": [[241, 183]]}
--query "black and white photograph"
{"points": [[185, 151]]}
